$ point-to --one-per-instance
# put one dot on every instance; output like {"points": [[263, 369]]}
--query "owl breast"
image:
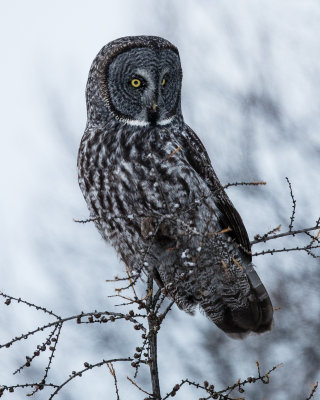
{"points": [[129, 178]]}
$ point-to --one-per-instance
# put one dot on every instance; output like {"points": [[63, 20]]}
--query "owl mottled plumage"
{"points": [[148, 178]]}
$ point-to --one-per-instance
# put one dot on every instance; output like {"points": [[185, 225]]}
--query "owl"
{"points": [[153, 194]]}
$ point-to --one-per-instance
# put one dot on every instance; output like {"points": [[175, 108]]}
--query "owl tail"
{"points": [[253, 314]]}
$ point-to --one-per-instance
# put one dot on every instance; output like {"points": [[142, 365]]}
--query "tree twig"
{"points": [[313, 390], [257, 183], [113, 373], [285, 250], [294, 202], [264, 238], [137, 386], [87, 368]]}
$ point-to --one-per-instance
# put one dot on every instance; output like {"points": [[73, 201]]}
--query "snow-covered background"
{"points": [[251, 92]]}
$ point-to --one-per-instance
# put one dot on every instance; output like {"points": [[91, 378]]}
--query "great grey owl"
{"points": [[150, 187]]}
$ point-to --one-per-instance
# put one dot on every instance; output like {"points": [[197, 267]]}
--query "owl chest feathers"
{"points": [[137, 172]]}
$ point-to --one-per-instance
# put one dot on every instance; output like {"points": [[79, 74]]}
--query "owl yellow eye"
{"points": [[163, 82], [136, 83]]}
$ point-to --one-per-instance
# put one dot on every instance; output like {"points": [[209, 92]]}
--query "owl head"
{"points": [[137, 80]]}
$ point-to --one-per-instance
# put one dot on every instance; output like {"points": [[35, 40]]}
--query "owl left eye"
{"points": [[163, 82], [135, 82]]}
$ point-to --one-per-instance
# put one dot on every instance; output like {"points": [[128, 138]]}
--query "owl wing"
{"points": [[200, 161]]}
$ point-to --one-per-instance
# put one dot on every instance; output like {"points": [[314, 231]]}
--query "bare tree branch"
{"points": [[293, 205], [152, 338], [113, 373], [313, 390], [256, 183], [284, 250], [224, 393], [152, 306], [86, 368], [266, 238]]}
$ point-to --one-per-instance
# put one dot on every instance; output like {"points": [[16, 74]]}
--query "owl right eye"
{"points": [[135, 82]]}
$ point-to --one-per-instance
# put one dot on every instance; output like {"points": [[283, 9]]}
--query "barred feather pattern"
{"points": [[155, 197]]}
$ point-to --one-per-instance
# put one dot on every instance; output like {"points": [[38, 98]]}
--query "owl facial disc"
{"points": [[143, 86]]}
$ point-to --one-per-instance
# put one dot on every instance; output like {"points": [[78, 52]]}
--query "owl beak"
{"points": [[153, 114]]}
